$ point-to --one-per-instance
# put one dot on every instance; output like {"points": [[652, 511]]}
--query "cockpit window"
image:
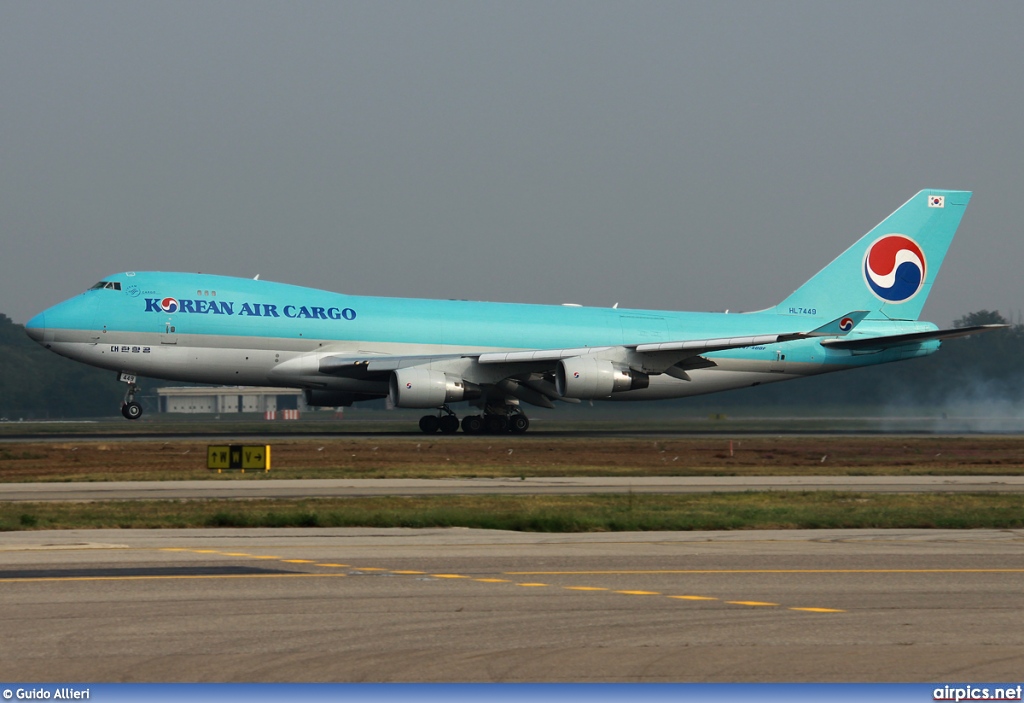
{"points": [[112, 285]]}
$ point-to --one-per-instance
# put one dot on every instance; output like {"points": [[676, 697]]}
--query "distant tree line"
{"points": [[38, 384], [986, 368]]}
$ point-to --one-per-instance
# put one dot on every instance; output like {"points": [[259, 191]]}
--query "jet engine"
{"points": [[417, 387], [585, 377]]}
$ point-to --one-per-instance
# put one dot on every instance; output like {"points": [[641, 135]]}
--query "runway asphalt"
{"points": [[260, 487], [474, 605]]}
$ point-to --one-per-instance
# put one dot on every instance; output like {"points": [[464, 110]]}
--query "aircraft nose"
{"points": [[36, 327]]}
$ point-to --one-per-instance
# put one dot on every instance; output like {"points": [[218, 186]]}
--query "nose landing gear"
{"points": [[130, 409]]}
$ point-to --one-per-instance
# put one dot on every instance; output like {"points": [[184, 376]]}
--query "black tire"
{"points": [[429, 424], [472, 424], [131, 411], [448, 424], [495, 424], [518, 424]]}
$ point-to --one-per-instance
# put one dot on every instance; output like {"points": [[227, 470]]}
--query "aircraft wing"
{"points": [[899, 340], [684, 348], [656, 358], [839, 327]]}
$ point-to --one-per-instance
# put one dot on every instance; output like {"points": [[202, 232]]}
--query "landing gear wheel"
{"points": [[129, 408], [518, 424], [448, 424], [131, 411], [472, 424], [495, 424], [429, 424]]}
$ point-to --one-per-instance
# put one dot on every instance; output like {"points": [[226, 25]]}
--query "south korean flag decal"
{"points": [[936, 201]]}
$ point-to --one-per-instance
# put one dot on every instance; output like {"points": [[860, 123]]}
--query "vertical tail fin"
{"points": [[890, 270]]}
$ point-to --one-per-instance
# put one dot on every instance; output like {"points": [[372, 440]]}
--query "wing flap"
{"points": [[702, 346], [512, 357]]}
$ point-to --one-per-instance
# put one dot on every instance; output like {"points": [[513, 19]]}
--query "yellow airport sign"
{"points": [[238, 457]]}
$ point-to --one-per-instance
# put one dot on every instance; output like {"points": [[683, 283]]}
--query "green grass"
{"points": [[603, 513], [8, 455]]}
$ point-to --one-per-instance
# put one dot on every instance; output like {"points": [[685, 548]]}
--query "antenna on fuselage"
{"points": [[256, 277]]}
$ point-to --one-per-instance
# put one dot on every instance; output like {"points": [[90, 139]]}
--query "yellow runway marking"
{"points": [[639, 593], [535, 584], [819, 610]]}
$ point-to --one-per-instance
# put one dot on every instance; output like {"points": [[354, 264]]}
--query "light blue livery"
{"points": [[861, 309]]}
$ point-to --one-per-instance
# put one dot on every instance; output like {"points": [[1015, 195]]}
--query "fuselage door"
{"points": [[778, 364], [169, 333]]}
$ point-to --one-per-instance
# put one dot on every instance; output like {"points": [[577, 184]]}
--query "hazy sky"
{"points": [[688, 156]]}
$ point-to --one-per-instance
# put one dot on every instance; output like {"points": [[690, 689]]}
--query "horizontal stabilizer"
{"points": [[899, 340]]}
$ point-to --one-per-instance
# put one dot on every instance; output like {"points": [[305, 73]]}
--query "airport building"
{"points": [[229, 399]]}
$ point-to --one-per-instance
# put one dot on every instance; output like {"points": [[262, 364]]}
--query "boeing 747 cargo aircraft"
{"points": [[860, 310]]}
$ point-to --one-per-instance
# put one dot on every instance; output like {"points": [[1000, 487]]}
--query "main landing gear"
{"points": [[129, 408], [447, 424], [513, 420]]}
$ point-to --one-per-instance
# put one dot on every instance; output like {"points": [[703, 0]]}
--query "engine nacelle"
{"points": [[585, 377], [417, 387]]}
